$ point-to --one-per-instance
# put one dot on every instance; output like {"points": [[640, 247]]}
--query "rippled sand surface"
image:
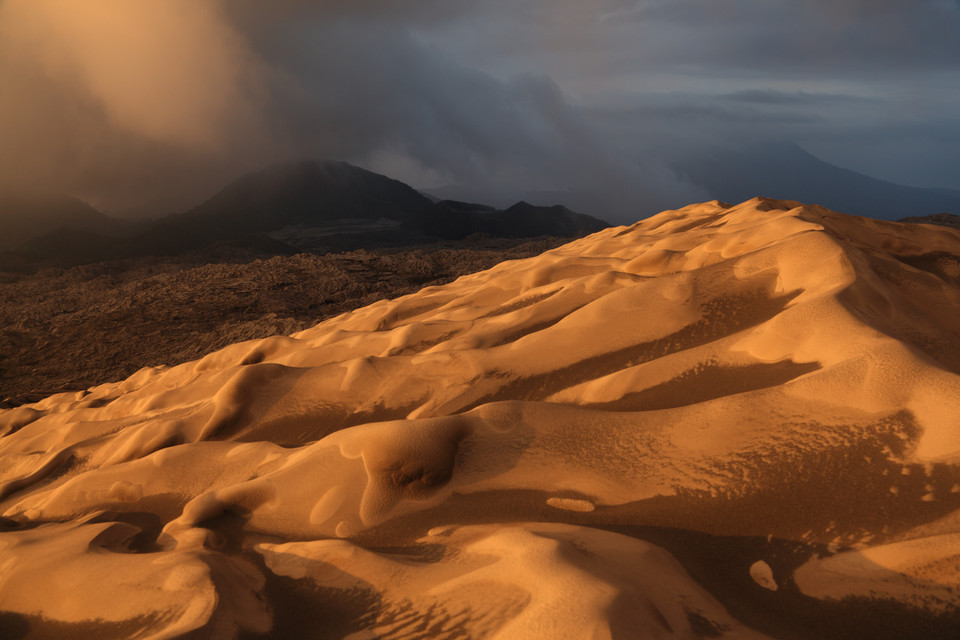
{"points": [[722, 421]]}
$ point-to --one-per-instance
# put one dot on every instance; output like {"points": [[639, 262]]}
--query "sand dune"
{"points": [[722, 421]]}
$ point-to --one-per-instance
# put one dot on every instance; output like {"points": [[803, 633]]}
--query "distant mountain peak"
{"points": [[331, 205], [25, 215], [525, 207], [309, 191], [785, 170]]}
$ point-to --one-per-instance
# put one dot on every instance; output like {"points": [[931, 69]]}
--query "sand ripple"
{"points": [[713, 423]]}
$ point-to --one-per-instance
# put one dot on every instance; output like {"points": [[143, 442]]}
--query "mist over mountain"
{"points": [[324, 206], [736, 172], [786, 171], [26, 214]]}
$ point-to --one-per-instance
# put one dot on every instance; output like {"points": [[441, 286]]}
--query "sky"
{"points": [[147, 107]]}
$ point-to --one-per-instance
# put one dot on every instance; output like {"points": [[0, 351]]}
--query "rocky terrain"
{"points": [[70, 328], [942, 219]]}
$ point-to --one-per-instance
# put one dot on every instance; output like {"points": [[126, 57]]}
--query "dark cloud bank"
{"points": [[149, 107]]}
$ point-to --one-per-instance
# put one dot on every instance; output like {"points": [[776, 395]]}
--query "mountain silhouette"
{"points": [[317, 207], [25, 215], [786, 171]]}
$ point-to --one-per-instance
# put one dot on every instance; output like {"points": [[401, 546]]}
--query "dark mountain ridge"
{"points": [[25, 215], [785, 171], [312, 206], [310, 192]]}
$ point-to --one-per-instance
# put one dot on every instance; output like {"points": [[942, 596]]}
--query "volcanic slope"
{"points": [[722, 421]]}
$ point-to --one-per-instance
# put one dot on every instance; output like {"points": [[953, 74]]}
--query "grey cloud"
{"points": [[806, 36], [353, 87], [501, 136], [107, 108], [505, 96], [793, 98]]}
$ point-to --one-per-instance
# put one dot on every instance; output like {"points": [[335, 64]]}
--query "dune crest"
{"points": [[670, 429]]}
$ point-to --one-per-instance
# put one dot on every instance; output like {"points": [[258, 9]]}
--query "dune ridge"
{"points": [[507, 455]]}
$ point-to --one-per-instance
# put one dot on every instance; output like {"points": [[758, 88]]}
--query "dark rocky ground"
{"points": [[942, 219], [71, 328]]}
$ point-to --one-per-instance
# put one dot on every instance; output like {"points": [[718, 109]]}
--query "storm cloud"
{"points": [[147, 107]]}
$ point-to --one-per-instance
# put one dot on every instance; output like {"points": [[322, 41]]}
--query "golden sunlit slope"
{"points": [[722, 421]]}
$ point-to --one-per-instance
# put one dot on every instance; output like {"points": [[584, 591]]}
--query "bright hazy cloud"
{"points": [[150, 105], [174, 71]]}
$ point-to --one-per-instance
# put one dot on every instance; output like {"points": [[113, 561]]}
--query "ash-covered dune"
{"points": [[723, 421]]}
